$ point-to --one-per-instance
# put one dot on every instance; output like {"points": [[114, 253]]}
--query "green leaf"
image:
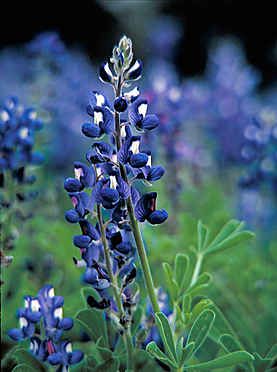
{"points": [[23, 368], [187, 352], [186, 303], [234, 239], [229, 343], [181, 269], [166, 335], [228, 229], [136, 319], [224, 361], [171, 283], [179, 348], [201, 328], [153, 349], [24, 357], [199, 307], [203, 236], [94, 323]]}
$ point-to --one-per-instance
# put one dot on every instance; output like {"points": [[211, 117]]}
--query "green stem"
{"points": [[126, 335], [134, 224], [197, 268]]}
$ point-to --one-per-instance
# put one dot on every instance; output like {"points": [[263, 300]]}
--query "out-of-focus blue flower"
{"points": [[18, 126], [46, 312]]}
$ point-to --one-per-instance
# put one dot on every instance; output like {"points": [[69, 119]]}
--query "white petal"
{"points": [[98, 117], [78, 173], [149, 161], [34, 346], [58, 313], [35, 306], [142, 109], [4, 115], [23, 322], [23, 133], [100, 99], [51, 292], [132, 94], [123, 131], [135, 147], [113, 182], [108, 70], [68, 347], [134, 67]]}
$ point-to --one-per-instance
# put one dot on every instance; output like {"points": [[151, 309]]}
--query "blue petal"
{"points": [[90, 276], [91, 130], [105, 73], [138, 160], [72, 216], [155, 173], [72, 185], [120, 104], [76, 357], [150, 122], [157, 217], [81, 241], [56, 358], [16, 334], [66, 323]]}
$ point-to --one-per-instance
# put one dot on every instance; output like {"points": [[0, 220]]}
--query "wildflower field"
{"points": [[138, 204]]}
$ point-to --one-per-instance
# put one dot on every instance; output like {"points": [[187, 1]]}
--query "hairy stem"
{"points": [[126, 335]]}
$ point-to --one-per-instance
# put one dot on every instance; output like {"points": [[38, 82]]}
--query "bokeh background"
{"points": [[210, 75]]}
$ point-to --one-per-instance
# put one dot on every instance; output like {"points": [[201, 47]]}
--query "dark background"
{"points": [[88, 24]]}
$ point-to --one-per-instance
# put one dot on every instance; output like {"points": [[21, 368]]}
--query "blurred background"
{"points": [[210, 75]]}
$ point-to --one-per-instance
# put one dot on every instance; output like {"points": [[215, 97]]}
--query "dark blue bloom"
{"points": [[139, 118], [45, 311], [145, 209]]}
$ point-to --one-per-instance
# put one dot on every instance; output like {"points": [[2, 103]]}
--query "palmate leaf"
{"points": [[201, 328], [224, 361], [166, 335], [230, 235]]}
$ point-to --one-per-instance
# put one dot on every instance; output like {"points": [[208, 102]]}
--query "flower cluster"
{"points": [[260, 153], [41, 321], [108, 183], [17, 136], [233, 102]]}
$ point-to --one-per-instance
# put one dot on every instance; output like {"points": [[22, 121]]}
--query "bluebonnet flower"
{"points": [[18, 126], [260, 152], [233, 101], [115, 164], [41, 321], [17, 130], [57, 79]]}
